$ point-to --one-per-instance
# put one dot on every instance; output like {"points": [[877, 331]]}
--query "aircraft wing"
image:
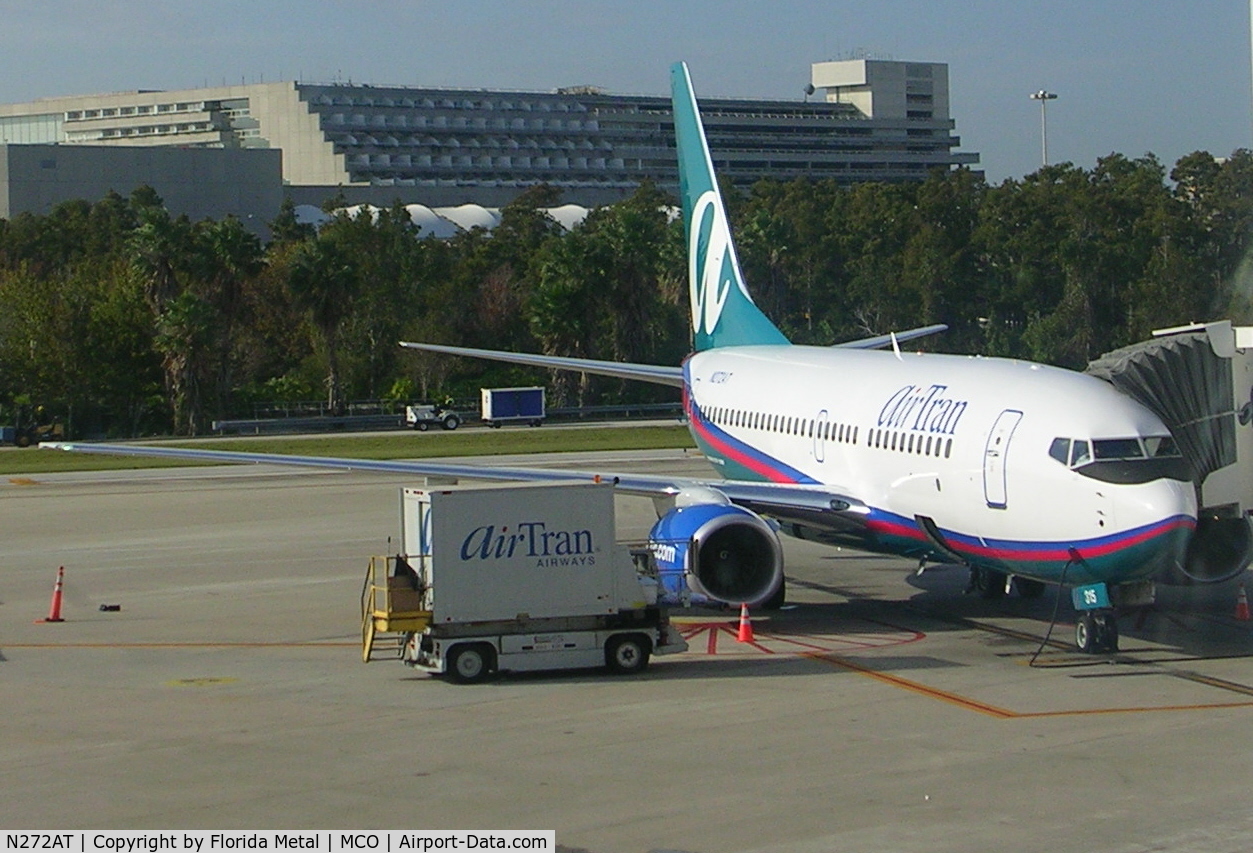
{"points": [[824, 506], [657, 374], [884, 340]]}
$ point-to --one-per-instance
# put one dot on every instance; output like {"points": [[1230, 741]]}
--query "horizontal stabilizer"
{"points": [[886, 340], [657, 374]]}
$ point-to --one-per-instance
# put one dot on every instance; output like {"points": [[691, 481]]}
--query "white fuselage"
{"points": [[962, 441]]}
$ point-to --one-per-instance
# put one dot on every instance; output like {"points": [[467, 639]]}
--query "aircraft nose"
{"points": [[1162, 512], [1156, 501]]}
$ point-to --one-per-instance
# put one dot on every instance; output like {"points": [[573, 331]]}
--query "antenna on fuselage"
{"points": [[896, 347]]}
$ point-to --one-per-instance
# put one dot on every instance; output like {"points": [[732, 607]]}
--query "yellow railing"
{"points": [[393, 601]]}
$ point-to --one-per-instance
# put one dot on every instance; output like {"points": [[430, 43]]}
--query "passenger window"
{"points": [[1079, 454], [1060, 450]]}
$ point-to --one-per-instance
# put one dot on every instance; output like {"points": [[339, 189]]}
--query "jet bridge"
{"points": [[1199, 380]]}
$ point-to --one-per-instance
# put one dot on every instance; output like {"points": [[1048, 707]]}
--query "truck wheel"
{"points": [[468, 664], [421, 426], [23, 440], [627, 654], [451, 422]]}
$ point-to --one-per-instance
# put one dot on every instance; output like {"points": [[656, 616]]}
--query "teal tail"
{"points": [[723, 314]]}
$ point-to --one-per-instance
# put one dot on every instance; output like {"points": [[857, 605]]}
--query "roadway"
{"points": [[884, 712]]}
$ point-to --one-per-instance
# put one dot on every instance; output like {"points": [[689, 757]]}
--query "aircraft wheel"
{"points": [[1096, 633], [990, 583], [1109, 632], [1085, 634]]}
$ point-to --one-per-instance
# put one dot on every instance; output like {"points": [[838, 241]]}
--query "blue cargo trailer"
{"points": [[513, 405]]}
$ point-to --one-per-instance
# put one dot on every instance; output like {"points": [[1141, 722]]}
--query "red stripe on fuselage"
{"points": [[732, 453]]}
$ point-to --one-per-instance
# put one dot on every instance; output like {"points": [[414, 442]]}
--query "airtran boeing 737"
{"points": [[1017, 470]]}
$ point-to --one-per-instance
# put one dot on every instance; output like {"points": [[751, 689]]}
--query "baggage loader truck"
{"points": [[527, 577]]}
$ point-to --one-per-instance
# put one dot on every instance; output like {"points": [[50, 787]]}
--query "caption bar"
{"points": [[207, 841]]}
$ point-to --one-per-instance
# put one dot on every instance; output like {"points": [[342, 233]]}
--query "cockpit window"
{"points": [[1161, 446], [1060, 450], [1117, 448], [1138, 459], [1079, 454]]}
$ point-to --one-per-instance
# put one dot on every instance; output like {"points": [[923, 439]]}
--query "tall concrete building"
{"points": [[867, 120]]}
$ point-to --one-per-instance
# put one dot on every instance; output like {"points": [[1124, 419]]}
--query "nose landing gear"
{"points": [[1096, 632]]}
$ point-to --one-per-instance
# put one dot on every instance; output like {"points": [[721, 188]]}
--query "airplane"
{"points": [[1027, 474]]}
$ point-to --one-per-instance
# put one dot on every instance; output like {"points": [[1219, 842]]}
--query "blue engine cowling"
{"points": [[717, 552]]}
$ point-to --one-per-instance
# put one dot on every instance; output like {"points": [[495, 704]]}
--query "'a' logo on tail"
{"points": [[723, 313], [712, 269]]}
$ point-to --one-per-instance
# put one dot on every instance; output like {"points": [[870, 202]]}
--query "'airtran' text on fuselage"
{"points": [[527, 539], [923, 409]]}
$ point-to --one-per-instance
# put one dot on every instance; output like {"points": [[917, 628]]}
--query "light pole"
{"points": [[1044, 97]]}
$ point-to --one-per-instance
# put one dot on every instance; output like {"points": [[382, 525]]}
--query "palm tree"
{"points": [[324, 282]]}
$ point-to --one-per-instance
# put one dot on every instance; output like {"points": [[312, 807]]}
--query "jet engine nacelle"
{"points": [[720, 551], [1221, 548]]}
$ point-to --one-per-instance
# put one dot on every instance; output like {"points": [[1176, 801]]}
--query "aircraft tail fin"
{"points": [[723, 313]]}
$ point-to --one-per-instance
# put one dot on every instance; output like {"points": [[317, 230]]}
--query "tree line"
{"points": [[122, 320]]}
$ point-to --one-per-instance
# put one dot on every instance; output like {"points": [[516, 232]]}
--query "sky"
{"points": [[1166, 77]]}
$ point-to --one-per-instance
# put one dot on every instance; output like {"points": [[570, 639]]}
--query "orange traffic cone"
{"points": [[746, 627], [54, 612], [1242, 605]]}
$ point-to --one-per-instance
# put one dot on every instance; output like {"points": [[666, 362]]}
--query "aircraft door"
{"points": [[820, 429], [994, 455]]}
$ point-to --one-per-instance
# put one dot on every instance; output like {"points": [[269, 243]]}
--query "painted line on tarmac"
{"points": [[1211, 681], [711, 636], [1147, 709], [1006, 714], [315, 645], [915, 687]]}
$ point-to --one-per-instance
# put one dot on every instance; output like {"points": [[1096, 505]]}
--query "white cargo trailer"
{"points": [[527, 577]]}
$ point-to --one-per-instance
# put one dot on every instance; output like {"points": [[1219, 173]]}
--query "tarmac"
{"points": [[881, 711]]}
